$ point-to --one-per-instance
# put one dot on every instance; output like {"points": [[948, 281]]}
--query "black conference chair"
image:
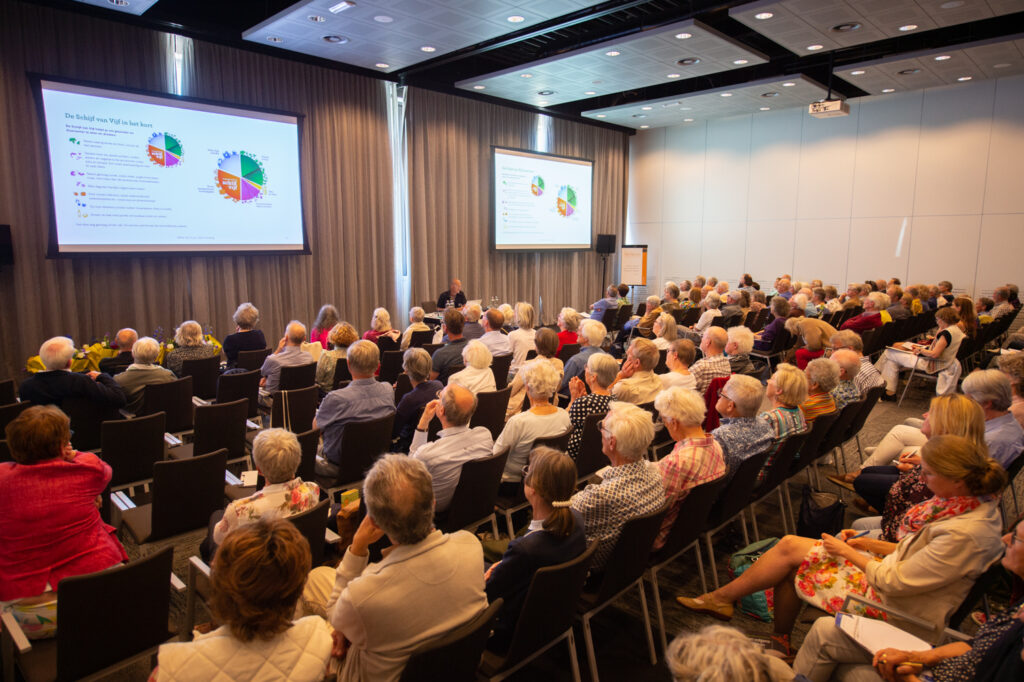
{"points": [[174, 399], [455, 656], [231, 387], [204, 373], [296, 377]]}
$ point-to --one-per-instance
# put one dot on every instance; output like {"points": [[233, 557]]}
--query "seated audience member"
{"points": [[477, 377], [452, 298], [832, 302], [765, 337], [554, 536], [740, 433], [1014, 298], [813, 334], [741, 342], [123, 341], [636, 381], [323, 324], [364, 399], [946, 543], [991, 389], [143, 372], [277, 455], [664, 331], [542, 420], [50, 526], [983, 306], [1013, 367], [341, 336], [714, 364], [994, 653], [696, 458], [1001, 297], [599, 375], [871, 318], [817, 302], [456, 442], [671, 301], [822, 378], [968, 323], [868, 376], [711, 305], [473, 329], [784, 289], [57, 382], [289, 353], [246, 336], [916, 307], [522, 338], [416, 365], [853, 295], [691, 300], [718, 653], [846, 390], [629, 489], [933, 359], [591, 336], [898, 309], [623, 290], [449, 355], [568, 324], [493, 338], [510, 316], [679, 359], [189, 344], [643, 325], [799, 301], [546, 342], [256, 580], [416, 324], [609, 302], [731, 306], [381, 332], [786, 391], [429, 583]]}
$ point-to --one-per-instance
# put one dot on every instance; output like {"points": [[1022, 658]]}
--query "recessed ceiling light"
{"points": [[542, 104], [383, 19], [964, 78], [908, 72], [428, 48], [942, 57], [888, 90], [953, 4], [118, 3], [857, 73], [769, 94], [684, 36], [687, 120], [645, 126], [766, 108], [1004, 65], [846, 27], [526, 75], [382, 65], [726, 94], [688, 61], [590, 92], [545, 93], [815, 47], [740, 61], [342, 6], [601, 115], [612, 53], [516, 19], [316, 18], [646, 108], [337, 40], [908, 27], [671, 75], [761, 16], [788, 84], [479, 87], [273, 39]]}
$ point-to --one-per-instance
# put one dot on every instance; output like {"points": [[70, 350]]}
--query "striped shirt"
{"points": [[818, 404], [785, 422], [868, 377], [708, 368], [691, 463]]}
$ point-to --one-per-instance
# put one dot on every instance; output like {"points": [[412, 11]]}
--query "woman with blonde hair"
{"points": [[477, 377], [522, 339], [718, 653], [341, 336], [664, 331], [189, 344], [787, 391], [381, 329], [323, 324]]}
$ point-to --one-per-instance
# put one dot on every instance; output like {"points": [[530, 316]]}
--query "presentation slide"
{"points": [[140, 173], [541, 202]]}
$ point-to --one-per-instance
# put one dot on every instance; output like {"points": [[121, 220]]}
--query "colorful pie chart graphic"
{"points": [[566, 200], [164, 149], [240, 177], [537, 185]]}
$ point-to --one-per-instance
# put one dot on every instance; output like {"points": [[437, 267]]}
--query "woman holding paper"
{"points": [[945, 543], [935, 358]]}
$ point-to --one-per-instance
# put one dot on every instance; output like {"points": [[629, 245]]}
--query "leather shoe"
{"points": [[704, 604]]}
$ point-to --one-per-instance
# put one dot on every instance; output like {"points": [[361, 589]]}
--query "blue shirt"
{"points": [[497, 343], [575, 366], [1004, 438], [360, 401], [290, 356], [741, 438], [601, 306]]}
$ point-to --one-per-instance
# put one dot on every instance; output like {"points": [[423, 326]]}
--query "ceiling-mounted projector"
{"points": [[829, 108]]}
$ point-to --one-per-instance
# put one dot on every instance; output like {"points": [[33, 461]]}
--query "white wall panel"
{"points": [[944, 247], [727, 169], [1006, 150], [769, 248], [879, 247], [886, 160], [999, 253], [827, 154], [722, 250], [681, 250], [647, 172], [774, 165], [684, 171], [820, 250]]}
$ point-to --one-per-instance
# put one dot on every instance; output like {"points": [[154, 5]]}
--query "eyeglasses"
{"points": [[1014, 538]]}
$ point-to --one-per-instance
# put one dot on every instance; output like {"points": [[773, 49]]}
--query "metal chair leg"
{"points": [[711, 559], [782, 510], [588, 640], [658, 611], [571, 642], [753, 521], [700, 568], [910, 379], [508, 525], [743, 527], [647, 622]]}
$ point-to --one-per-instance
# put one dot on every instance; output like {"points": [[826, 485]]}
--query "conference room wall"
{"points": [[920, 185]]}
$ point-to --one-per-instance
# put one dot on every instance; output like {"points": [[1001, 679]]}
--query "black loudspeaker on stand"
{"points": [[605, 247]]}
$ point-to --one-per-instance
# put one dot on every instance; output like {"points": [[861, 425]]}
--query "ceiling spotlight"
{"points": [[382, 65], [726, 94], [908, 72], [788, 84], [687, 120], [908, 27], [612, 53], [526, 75], [542, 104], [342, 6], [683, 36], [383, 19], [942, 57], [316, 18], [645, 126], [685, 108], [646, 108], [859, 72], [479, 87], [590, 92], [337, 40], [965, 78], [688, 61], [602, 115], [516, 19], [769, 94], [273, 39], [671, 75], [846, 27], [545, 93], [888, 90], [740, 62], [1004, 65], [815, 47], [766, 108], [428, 48], [761, 16]]}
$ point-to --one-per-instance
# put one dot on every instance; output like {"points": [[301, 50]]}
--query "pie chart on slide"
{"points": [[164, 149], [566, 200], [240, 177]]}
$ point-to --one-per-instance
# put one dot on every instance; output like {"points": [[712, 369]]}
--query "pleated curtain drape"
{"points": [[449, 166]]}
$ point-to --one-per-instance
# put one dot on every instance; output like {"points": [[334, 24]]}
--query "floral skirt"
{"points": [[823, 581], [37, 615]]}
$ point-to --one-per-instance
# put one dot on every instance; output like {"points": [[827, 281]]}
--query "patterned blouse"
{"points": [[174, 359], [904, 494], [581, 408], [965, 666], [691, 463], [844, 393], [326, 366], [741, 438], [785, 422], [274, 500]]}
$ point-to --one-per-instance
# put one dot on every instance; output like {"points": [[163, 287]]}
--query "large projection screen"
{"points": [[541, 202], [144, 173]]}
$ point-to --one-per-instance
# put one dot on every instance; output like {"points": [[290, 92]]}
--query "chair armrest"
{"points": [[231, 479], [199, 402], [250, 425], [126, 414], [176, 583], [951, 635], [122, 501], [13, 630], [331, 537], [172, 440], [887, 609]]}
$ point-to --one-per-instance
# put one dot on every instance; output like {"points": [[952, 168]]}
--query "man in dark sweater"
{"points": [[124, 340], [58, 382]]}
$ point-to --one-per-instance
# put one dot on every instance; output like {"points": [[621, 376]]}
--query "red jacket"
{"points": [[863, 322], [567, 337], [50, 528]]}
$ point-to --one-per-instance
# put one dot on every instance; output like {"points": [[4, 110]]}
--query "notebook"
{"points": [[875, 635]]}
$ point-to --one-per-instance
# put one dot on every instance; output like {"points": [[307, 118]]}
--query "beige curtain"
{"points": [[346, 191], [449, 141]]}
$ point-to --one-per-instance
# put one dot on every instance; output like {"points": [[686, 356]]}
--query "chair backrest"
{"points": [[86, 417], [10, 412], [531, 354], [308, 441], [559, 442], [567, 351], [812, 445], [500, 366], [132, 446], [836, 435], [174, 398], [420, 339], [341, 373], [94, 632], [711, 417], [549, 607], [294, 410], [867, 404], [641, 308], [590, 457], [298, 376], [204, 372], [625, 312], [403, 385], [778, 470], [476, 491], [490, 410], [981, 586], [736, 494], [691, 317], [448, 372], [754, 322], [662, 367], [8, 392], [312, 523], [5, 452], [609, 316], [691, 518], [186, 492], [231, 387], [431, 347], [251, 359], [361, 444], [456, 656], [390, 365], [628, 558], [783, 340], [222, 425]]}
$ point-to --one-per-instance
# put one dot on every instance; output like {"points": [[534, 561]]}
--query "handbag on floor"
{"points": [[820, 513], [760, 605]]}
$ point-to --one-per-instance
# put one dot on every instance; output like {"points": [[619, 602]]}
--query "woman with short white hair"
{"points": [[741, 342], [664, 331], [416, 324], [189, 344], [246, 336], [381, 329], [542, 420], [599, 374], [678, 359], [546, 343], [712, 302], [822, 377], [722, 654], [522, 339], [569, 324], [477, 377]]}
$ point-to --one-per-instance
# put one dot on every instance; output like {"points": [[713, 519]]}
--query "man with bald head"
{"points": [[289, 353], [846, 390], [58, 382], [456, 444], [452, 297], [714, 364], [124, 340]]}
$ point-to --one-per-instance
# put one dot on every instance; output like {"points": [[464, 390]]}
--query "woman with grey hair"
{"points": [[599, 375], [381, 332], [246, 336], [822, 377], [416, 324], [569, 324], [765, 337], [679, 357], [477, 377], [664, 331], [718, 653], [712, 303], [416, 364], [341, 336], [188, 345]]}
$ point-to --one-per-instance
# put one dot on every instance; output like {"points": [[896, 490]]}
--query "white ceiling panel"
{"points": [[801, 25], [372, 33], [749, 98], [136, 7], [970, 62]]}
